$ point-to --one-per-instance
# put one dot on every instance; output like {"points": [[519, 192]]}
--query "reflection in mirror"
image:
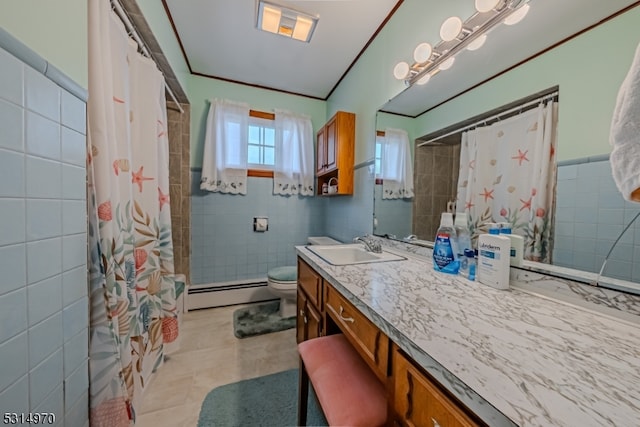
{"points": [[589, 214], [437, 167]]}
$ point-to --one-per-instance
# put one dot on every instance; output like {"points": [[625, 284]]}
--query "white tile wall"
{"points": [[15, 398], [14, 363], [44, 378], [43, 247], [12, 174], [14, 316], [13, 264]]}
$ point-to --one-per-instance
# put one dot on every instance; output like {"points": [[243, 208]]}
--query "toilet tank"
{"points": [[322, 240]]}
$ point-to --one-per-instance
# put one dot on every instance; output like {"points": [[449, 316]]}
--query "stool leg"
{"points": [[303, 394]]}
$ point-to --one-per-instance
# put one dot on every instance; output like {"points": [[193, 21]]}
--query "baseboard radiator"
{"points": [[227, 293]]}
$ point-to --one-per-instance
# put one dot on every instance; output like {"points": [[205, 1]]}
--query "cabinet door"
{"points": [[331, 139], [311, 283], [419, 402], [301, 321], [308, 319], [314, 322], [321, 150]]}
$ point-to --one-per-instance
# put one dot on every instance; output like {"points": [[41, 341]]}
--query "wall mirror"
{"points": [[589, 211]]}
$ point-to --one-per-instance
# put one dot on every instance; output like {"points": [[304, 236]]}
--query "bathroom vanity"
{"points": [[452, 352]]}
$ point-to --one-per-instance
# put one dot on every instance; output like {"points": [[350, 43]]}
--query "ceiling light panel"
{"points": [[286, 22]]}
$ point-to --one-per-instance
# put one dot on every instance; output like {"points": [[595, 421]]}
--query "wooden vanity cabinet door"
{"points": [[301, 321], [368, 340], [308, 319], [314, 322], [311, 283], [418, 402]]}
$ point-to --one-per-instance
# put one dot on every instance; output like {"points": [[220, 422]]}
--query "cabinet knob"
{"points": [[301, 313], [435, 422]]}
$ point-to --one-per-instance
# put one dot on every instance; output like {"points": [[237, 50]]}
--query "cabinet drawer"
{"points": [[367, 338], [311, 282], [419, 402]]}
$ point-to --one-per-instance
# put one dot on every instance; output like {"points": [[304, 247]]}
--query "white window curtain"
{"points": [[294, 167], [508, 174], [224, 163], [396, 168]]}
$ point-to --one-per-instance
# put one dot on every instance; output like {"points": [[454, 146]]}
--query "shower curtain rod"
{"points": [[117, 7], [498, 116]]}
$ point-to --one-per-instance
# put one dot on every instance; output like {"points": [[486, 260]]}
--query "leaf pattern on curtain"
{"points": [[508, 174], [133, 307]]}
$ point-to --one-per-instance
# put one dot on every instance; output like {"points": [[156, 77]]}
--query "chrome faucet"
{"points": [[369, 244]]}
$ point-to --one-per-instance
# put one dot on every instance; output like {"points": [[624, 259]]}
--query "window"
{"points": [[378, 155], [261, 143]]}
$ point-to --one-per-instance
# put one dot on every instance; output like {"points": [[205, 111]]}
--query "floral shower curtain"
{"points": [[508, 174], [133, 307]]}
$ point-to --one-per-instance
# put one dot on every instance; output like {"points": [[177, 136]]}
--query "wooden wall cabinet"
{"points": [[335, 153]]}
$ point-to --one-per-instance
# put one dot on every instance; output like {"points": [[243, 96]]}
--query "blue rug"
{"points": [[268, 401]]}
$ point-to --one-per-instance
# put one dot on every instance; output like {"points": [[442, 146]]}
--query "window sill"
{"points": [[259, 173]]}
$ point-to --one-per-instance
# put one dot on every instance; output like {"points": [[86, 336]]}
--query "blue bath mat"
{"points": [[260, 319], [268, 401]]}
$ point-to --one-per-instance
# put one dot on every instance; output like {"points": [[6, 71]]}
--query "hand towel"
{"points": [[625, 134]]}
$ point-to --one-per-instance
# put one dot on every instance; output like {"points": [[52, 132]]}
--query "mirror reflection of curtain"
{"points": [[396, 168], [508, 174], [224, 160], [294, 167], [131, 272]]}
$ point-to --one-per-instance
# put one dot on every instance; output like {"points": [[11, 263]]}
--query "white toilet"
{"points": [[283, 281]]}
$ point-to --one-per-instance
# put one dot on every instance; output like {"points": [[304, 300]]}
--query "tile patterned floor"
{"points": [[210, 356]]}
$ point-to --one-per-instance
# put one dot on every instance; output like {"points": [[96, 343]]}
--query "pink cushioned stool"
{"points": [[349, 393]]}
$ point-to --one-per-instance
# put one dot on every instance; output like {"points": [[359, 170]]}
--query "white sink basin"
{"points": [[351, 254]]}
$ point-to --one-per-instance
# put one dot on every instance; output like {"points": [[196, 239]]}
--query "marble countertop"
{"points": [[513, 357]]}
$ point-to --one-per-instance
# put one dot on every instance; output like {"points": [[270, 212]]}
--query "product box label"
{"points": [[490, 254]]}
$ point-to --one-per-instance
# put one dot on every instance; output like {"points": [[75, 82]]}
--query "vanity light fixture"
{"points": [[457, 35], [517, 16], [450, 28], [286, 22]]}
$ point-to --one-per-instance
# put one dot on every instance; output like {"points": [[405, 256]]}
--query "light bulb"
{"points": [[424, 79], [483, 6], [477, 43], [450, 28], [517, 16], [422, 53], [447, 64], [401, 70]]}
